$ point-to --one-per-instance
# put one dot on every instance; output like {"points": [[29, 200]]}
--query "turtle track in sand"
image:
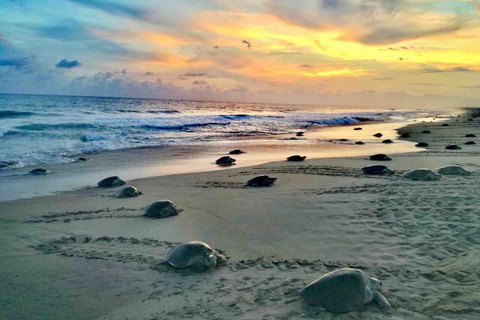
{"points": [[434, 235], [267, 288], [332, 171], [104, 213]]}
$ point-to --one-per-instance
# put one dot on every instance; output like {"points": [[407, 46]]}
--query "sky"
{"points": [[398, 53]]}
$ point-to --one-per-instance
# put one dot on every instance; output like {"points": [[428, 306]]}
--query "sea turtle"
{"points": [[261, 181], [380, 157], [236, 151], [39, 171], [296, 158], [387, 141], [345, 290], [128, 192], [422, 174], [453, 147], [195, 254], [300, 134], [161, 209], [470, 142], [225, 161], [378, 135], [421, 144], [405, 135], [4, 164], [359, 142], [111, 182], [426, 131], [377, 169], [453, 170], [470, 135], [357, 128]]}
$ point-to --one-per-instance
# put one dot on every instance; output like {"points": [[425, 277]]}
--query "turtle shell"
{"points": [[161, 209], [341, 290], [188, 254]]}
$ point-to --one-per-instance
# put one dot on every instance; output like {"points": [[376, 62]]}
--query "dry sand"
{"points": [[88, 255]]}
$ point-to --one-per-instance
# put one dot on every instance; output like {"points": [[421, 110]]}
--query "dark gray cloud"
{"points": [[457, 69], [114, 8], [65, 64], [14, 62], [393, 34], [200, 82], [193, 75]]}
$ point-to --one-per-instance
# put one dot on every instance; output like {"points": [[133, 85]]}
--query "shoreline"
{"points": [[87, 255], [133, 164]]}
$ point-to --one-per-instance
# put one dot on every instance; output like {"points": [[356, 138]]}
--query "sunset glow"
{"points": [[282, 47]]}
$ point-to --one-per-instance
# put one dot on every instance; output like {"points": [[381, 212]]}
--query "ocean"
{"points": [[37, 130]]}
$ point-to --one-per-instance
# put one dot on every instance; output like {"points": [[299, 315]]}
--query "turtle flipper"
{"points": [[382, 302]]}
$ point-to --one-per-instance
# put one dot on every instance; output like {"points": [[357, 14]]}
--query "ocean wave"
{"points": [[14, 114], [65, 126], [337, 121], [148, 111], [182, 127], [92, 137]]}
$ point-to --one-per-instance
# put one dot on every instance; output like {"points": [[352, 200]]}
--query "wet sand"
{"points": [[88, 255]]}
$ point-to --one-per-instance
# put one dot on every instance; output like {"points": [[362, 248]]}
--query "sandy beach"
{"points": [[87, 255]]}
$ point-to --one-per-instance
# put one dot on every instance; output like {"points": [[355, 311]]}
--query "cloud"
{"points": [[393, 34], [370, 22], [114, 8], [471, 87], [65, 64], [383, 78], [200, 82], [149, 73], [66, 30], [425, 84], [456, 69], [14, 62], [193, 75]]}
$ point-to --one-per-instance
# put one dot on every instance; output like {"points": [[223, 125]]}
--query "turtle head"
{"points": [[374, 284], [221, 259], [210, 261]]}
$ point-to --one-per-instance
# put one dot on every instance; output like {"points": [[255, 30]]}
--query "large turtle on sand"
{"points": [[377, 169], [380, 157], [111, 182], [345, 290], [296, 158], [453, 147], [453, 170], [38, 171], [422, 174], [261, 181], [421, 144], [195, 254], [225, 161], [161, 209], [128, 192], [236, 151]]}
